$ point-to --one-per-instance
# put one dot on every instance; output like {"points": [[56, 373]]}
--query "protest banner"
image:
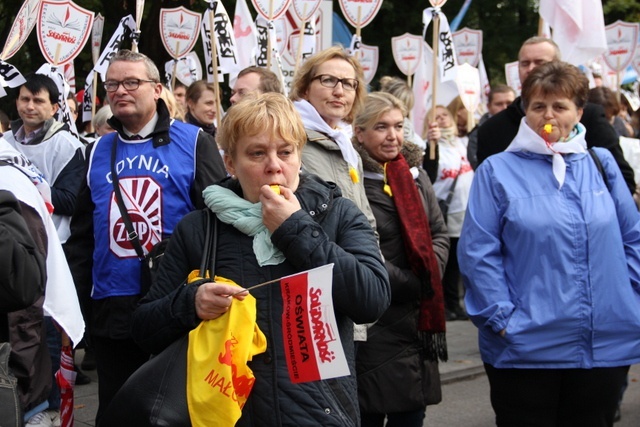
{"points": [[442, 44], [270, 10], [622, 39], [304, 9], [179, 29], [63, 30], [359, 14], [407, 53], [21, 28], [468, 45]]}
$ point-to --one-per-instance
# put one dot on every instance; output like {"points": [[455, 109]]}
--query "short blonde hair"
{"points": [[305, 74], [256, 114], [375, 105]]}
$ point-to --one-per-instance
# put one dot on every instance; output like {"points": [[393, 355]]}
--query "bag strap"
{"points": [[208, 261], [598, 163], [131, 233], [452, 189]]}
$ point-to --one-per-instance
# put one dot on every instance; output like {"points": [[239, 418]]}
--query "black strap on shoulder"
{"points": [[598, 163], [131, 233]]}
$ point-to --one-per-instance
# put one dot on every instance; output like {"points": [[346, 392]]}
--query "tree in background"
{"points": [[505, 25]]}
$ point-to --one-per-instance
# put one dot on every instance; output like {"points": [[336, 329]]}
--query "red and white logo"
{"points": [[622, 38], [21, 28], [63, 30], [179, 29], [359, 13], [407, 52], [271, 9], [142, 197], [468, 45]]}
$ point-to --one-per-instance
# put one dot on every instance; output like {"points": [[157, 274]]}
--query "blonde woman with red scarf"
{"points": [[409, 338]]}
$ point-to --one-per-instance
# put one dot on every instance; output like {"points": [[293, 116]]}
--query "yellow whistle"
{"points": [[275, 188], [548, 128]]}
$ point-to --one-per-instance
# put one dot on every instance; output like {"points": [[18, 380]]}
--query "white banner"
{"points": [[446, 49], [179, 30], [468, 45], [407, 52], [63, 30], [22, 25]]}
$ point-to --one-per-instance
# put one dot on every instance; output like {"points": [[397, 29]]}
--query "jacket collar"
{"points": [[160, 134]]}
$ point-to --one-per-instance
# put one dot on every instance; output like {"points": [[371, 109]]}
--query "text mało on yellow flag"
{"points": [[218, 378]]}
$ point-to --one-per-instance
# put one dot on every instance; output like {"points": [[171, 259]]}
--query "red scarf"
{"points": [[416, 235]]}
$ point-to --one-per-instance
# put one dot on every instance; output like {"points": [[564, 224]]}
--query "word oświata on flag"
{"points": [[309, 330]]}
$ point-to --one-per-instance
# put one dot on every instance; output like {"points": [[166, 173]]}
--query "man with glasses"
{"points": [[162, 166]]}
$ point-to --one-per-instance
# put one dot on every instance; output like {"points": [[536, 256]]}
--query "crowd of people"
{"points": [[525, 223]]}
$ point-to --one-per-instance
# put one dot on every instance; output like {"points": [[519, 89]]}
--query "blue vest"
{"points": [[155, 185]]}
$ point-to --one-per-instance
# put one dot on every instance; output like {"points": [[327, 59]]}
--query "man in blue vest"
{"points": [[161, 167]]}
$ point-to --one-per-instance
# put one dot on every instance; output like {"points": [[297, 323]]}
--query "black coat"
{"points": [[328, 229], [495, 135], [393, 375]]}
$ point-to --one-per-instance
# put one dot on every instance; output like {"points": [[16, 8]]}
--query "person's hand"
{"points": [[433, 134], [276, 208], [214, 299]]}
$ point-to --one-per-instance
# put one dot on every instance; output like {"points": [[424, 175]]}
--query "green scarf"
{"points": [[247, 218]]}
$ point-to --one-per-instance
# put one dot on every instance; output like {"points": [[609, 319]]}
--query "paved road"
{"points": [[465, 392], [466, 404]]}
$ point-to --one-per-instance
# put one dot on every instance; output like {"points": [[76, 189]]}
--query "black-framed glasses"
{"points": [[129, 84], [327, 80]]}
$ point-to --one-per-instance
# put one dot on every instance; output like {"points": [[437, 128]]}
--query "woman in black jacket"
{"points": [[397, 366], [307, 225], [201, 106]]}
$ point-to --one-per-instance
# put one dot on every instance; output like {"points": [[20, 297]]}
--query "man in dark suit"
{"points": [[495, 135]]}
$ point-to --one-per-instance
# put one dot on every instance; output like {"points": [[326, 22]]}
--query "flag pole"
{"points": [[139, 10], [302, 28], [214, 60], [269, 25], [434, 79]]}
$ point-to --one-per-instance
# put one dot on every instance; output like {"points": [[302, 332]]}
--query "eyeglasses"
{"points": [[327, 80], [129, 84]]}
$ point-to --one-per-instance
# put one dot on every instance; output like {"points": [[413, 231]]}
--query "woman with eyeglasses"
{"points": [[328, 91]]}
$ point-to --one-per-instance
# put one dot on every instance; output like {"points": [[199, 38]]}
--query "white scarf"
{"points": [[341, 135], [528, 140]]}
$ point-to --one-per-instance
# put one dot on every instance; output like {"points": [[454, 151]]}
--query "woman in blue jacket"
{"points": [[550, 256]]}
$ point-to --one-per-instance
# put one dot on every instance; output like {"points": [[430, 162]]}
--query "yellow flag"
{"points": [[218, 378]]}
